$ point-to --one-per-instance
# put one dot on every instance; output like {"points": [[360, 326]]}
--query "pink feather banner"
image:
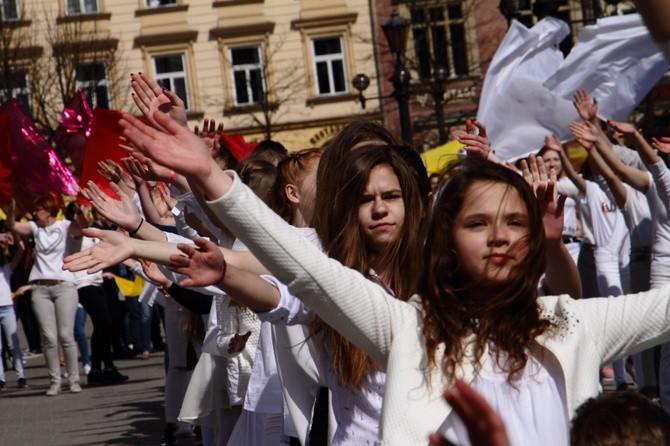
{"points": [[36, 169], [74, 129]]}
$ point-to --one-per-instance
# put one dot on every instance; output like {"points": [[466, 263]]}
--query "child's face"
{"points": [[382, 210], [490, 233]]}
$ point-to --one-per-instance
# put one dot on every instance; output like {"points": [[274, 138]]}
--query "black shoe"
{"points": [[23, 384], [94, 378], [2, 385], [622, 386], [112, 376], [169, 435]]}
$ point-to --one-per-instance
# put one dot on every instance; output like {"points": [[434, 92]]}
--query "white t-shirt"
{"points": [[637, 215], [566, 186], [608, 224], [83, 278], [660, 248], [52, 244]]}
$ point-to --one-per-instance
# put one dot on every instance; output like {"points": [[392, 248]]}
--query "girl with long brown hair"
{"points": [[376, 228], [478, 316]]}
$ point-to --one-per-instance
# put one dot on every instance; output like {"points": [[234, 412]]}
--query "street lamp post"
{"points": [[395, 30], [439, 79]]}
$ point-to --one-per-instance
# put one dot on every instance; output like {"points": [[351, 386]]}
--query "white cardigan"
{"points": [[589, 332]]}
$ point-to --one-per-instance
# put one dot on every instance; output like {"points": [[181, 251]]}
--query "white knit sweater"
{"points": [[589, 332]]}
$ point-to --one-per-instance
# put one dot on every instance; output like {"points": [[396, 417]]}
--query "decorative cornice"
{"points": [[92, 46], [166, 39], [322, 21], [75, 18], [160, 10], [306, 124], [252, 29], [224, 3], [13, 24]]}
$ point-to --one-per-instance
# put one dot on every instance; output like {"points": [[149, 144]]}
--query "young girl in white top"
{"points": [[477, 317]]}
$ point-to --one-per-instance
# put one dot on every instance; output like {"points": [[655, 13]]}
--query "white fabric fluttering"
{"points": [[528, 88]]}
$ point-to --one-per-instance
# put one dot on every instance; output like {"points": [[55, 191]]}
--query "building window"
{"points": [[9, 10], [16, 87], [329, 67], [170, 73], [247, 75], [75, 7], [440, 39], [92, 80], [160, 3]]}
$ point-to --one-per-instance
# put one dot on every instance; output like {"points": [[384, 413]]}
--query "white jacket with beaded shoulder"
{"points": [[588, 333]]}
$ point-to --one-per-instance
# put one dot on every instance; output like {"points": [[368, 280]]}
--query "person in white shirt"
{"points": [[54, 292]]}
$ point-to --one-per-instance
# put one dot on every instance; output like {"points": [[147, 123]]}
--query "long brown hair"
{"points": [[342, 239], [355, 133], [510, 318]]}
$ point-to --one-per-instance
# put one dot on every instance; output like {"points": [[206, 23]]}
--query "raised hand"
{"points": [[622, 127], [151, 97], [484, 425], [112, 249], [152, 171], [203, 266], [543, 184], [177, 148], [123, 213], [661, 144], [238, 342], [210, 134], [110, 170], [553, 143], [586, 109], [585, 133], [154, 274]]}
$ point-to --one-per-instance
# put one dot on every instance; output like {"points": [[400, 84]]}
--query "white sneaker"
{"points": [[54, 390], [87, 368], [75, 388]]}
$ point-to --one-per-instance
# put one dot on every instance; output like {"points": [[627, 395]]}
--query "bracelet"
{"points": [[223, 273], [138, 227], [170, 178]]}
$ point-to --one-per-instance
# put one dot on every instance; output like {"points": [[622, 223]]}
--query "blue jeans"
{"points": [[8, 325], [80, 335], [139, 321]]}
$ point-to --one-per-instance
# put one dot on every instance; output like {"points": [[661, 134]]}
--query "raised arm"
{"points": [[587, 135], [343, 298], [122, 212], [23, 229], [587, 109], [115, 247], [207, 266], [561, 274], [552, 142], [150, 97], [16, 258], [641, 145]]}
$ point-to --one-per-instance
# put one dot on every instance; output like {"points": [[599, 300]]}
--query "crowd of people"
{"points": [[330, 295]]}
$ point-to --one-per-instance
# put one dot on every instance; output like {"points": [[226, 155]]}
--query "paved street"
{"points": [[126, 414]]}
